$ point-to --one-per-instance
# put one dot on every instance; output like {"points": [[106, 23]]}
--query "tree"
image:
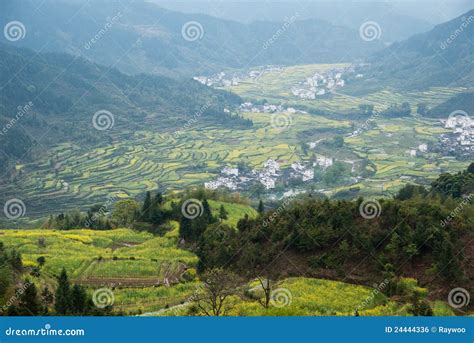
{"points": [[47, 297], [124, 212], [266, 285], [419, 305], [78, 300], [158, 200], [28, 304], [222, 213], [421, 108], [145, 215], [218, 286], [470, 169], [63, 304], [207, 213], [41, 261], [261, 208]]}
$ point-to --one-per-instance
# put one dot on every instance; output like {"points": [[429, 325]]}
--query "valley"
{"points": [[378, 155]]}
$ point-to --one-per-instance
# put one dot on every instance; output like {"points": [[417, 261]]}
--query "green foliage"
{"points": [[63, 301]]}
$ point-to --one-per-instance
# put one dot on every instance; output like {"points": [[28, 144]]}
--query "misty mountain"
{"points": [[141, 37], [440, 57], [397, 21]]}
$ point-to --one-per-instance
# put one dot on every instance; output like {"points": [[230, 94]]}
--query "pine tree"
{"points": [[206, 213], [146, 207], [158, 198], [185, 228], [78, 300], [63, 294], [28, 304], [261, 208], [223, 213], [47, 297]]}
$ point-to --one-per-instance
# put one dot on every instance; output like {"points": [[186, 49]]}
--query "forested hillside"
{"points": [[53, 97], [440, 57]]}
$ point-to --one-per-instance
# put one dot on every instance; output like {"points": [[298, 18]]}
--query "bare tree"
{"points": [[266, 285], [218, 285]]}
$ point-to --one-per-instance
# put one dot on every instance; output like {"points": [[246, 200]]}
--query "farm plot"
{"points": [[121, 257]]}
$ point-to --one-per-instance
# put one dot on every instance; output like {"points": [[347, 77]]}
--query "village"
{"points": [[460, 142], [321, 83], [228, 79], [271, 173], [267, 108]]}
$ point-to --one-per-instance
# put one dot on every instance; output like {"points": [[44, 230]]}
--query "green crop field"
{"points": [[71, 177], [97, 257], [316, 297], [134, 266]]}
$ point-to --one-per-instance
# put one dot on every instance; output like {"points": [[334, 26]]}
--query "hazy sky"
{"points": [[429, 11]]}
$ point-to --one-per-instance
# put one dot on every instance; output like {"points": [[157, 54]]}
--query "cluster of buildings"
{"points": [[271, 172], [460, 142], [423, 148], [224, 79], [231, 179], [266, 108], [463, 127], [319, 84]]}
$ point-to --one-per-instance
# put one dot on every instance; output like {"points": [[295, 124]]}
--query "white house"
{"points": [[230, 171], [423, 147]]}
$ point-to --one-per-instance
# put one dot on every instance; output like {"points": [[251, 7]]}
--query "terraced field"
{"points": [[72, 177], [98, 259], [118, 257]]}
